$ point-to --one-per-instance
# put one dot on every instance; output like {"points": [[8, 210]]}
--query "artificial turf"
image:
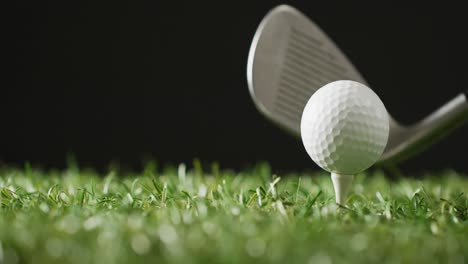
{"points": [[208, 215]]}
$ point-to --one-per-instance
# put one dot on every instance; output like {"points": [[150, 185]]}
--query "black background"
{"points": [[124, 81]]}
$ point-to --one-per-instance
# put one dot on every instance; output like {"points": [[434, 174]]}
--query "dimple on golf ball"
{"points": [[344, 127]]}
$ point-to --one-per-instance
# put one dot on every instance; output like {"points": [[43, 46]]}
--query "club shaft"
{"points": [[429, 130]]}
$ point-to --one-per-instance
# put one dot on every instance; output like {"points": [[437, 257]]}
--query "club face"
{"points": [[291, 58]]}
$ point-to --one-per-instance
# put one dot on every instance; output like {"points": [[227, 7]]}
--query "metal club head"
{"points": [[291, 57]]}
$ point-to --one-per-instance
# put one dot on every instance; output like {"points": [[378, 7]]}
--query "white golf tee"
{"points": [[341, 184]]}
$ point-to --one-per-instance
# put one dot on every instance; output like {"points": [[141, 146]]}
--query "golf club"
{"points": [[291, 57]]}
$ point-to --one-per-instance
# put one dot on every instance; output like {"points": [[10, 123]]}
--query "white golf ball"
{"points": [[344, 127]]}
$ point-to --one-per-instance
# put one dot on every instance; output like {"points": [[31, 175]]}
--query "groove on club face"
{"points": [[304, 81], [291, 101], [290, 86], [287, 111], [292, 95]]}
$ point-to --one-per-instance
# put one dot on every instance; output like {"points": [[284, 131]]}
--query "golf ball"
{"points": [[344, 127]]}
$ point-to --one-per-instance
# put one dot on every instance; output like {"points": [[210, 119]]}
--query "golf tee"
{"points": [[341, 184]]}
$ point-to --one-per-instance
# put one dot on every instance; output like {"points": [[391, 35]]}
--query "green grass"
{"points": [[181, 215]]}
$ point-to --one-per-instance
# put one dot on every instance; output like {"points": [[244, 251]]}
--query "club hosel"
{"points": [[341, 184], [416, 138]]}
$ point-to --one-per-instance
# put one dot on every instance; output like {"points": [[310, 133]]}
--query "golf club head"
{"points": [[291, 57]]}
